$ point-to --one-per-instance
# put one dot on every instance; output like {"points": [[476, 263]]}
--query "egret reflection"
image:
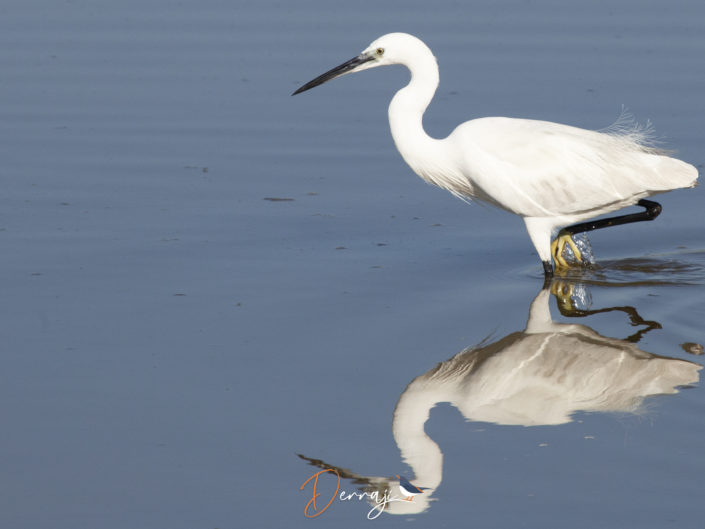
{"points": [[542, 375]]}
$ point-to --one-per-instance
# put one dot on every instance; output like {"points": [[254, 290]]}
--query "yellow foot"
{"points": [[558, 246]]}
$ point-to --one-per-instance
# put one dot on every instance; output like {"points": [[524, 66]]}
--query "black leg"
{"points": [[547, 268], [651, 211], [547, 273]]}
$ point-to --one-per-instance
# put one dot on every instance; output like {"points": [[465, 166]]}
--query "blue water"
{"points": [[174, 338]]}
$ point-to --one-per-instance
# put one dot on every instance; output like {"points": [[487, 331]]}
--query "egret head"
{"points": [[393, 48]]}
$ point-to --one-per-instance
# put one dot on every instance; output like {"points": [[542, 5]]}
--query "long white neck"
{"points": [[406, 112], [430, 158]]}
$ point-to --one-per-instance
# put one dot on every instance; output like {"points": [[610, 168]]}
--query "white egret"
{"points": [[550, 174]]}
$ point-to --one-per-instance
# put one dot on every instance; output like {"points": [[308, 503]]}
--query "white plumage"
{"points": [[550, 174]]}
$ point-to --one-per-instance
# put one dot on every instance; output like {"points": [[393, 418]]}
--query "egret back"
{"points": [[542, 169]]}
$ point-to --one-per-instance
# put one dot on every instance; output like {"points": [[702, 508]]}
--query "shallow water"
{"points": [[204, 278]]}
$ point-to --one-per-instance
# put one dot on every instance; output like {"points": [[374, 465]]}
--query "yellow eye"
{"points": [[380, 51]]}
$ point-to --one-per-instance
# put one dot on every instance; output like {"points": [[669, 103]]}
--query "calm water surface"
{"points": [[180, 350]]}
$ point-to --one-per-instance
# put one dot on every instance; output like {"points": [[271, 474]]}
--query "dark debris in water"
{"points": [[197, 167], [693, 348], [278, 199]]}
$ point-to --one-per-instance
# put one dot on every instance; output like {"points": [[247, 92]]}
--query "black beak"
{"points": [[344, 68]]}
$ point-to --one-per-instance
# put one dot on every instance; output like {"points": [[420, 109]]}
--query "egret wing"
{"points": [[541, 169]]}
